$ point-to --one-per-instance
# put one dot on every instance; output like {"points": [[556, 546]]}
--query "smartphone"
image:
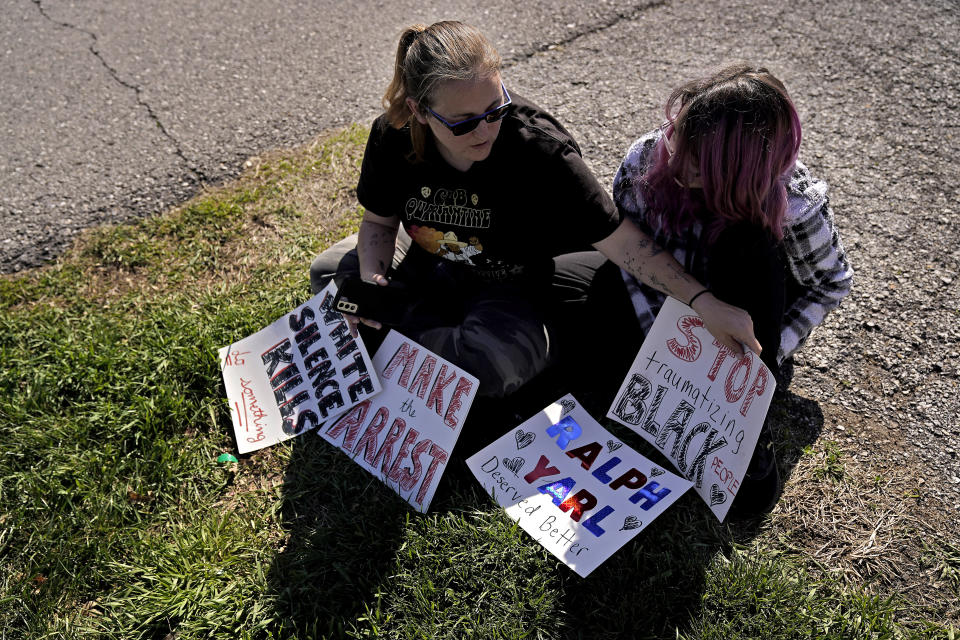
{"points": [[387, 305]]}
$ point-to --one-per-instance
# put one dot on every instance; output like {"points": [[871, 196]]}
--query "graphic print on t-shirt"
{"points": [[446, 245], [447, 207], [452, 224]]}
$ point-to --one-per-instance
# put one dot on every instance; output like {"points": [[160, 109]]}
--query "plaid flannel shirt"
{"points": [[815, 257]]}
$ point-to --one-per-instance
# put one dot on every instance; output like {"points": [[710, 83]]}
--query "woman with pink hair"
{"points": [[719, 186]]}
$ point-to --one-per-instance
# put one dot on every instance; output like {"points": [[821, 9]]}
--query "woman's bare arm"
{"points": [[376, 242], [633, 251]]}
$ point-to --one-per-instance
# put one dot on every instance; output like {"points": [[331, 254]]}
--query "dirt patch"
{"points": [[859, 507]]}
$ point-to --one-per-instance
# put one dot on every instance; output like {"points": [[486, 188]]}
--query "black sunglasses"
{"points": [[466, 126]]}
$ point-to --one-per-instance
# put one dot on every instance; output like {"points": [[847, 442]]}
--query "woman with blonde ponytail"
{"points": [[471, 192]]}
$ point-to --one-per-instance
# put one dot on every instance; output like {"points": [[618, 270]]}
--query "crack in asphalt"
{"points": [[588, 30], [199, 173]]}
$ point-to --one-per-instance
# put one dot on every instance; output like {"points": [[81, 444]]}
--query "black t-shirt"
{"points": [[503, 219]]}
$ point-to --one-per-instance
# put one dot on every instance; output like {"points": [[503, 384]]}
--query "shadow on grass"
{"points": [[342, 530], [654, 587], [357, 561], [797, 423]]}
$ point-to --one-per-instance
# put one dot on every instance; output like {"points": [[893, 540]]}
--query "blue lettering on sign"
{"points": [[557, 490], [651, 495], [567, 430], [601, 473], [592, 523]]}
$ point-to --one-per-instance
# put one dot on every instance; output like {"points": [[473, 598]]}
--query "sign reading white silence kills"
{"points": [[405, 435], [695, 401], [295, 374], [571, 485]]}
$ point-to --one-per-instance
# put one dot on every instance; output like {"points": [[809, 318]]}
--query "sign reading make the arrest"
{"points": [[405, 435]]}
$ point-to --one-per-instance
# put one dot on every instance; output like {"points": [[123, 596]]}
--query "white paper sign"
{"points": [[293, 375], [405, 435], [692, 399], [571, 485]]}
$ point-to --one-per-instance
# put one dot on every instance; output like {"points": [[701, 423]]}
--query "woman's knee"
{"points": [[745, 261], [745, 269], [503, 357], [745, 249], [509, 364]]}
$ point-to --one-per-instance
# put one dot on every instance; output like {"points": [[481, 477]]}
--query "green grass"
{"points": [[831, 466], [117, 521]]}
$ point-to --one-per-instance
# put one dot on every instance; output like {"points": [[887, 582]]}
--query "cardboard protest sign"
{"points": [[695, 401], [571, 485], [298, 372], [404, 436]]}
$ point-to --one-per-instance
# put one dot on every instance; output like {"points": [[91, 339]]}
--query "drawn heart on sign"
{"points": [[656, 471], [568, 406], [514, 464], [717, 496], [613, 445], [631, 522], [524, 438]]}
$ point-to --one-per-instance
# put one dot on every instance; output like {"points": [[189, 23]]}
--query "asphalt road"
{"points": [[115, 109]]}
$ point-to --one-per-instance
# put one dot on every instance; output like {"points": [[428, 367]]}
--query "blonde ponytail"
{"points": [[395, 97]]}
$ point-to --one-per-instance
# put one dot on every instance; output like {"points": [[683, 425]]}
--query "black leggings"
{"points": [[498, 333], [746, 269]]}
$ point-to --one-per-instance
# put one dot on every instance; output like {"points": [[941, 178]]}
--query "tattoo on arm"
{"points": [[681, 275], [633, 266], [657, 283]]}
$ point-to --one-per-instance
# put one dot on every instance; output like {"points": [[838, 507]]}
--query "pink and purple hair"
{"points": [[740, 130]]}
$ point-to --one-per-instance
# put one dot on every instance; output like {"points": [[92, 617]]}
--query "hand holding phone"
{"points": [[354, 322], [373, 303]]}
